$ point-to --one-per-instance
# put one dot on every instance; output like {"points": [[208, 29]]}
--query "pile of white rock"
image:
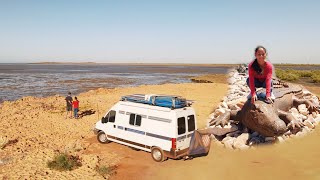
{"points": [[243, 138]]}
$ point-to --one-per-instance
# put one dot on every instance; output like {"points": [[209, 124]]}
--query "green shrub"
{"points": [[315, 78], [106, 170], [306, 73], [280, 73], [287, 75], [316, 72], [64, 162], [292, 75]]}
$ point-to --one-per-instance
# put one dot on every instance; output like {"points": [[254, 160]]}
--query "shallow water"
{"points": [[19, 80]]}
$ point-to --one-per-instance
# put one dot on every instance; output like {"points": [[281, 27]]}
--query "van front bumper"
{"points": [[95, 130]]}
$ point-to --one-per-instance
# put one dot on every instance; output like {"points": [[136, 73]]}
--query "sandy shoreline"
{"points": [[42, 80]]}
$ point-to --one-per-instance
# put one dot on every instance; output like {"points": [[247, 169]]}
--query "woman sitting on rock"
{"points": [[260, 75]]}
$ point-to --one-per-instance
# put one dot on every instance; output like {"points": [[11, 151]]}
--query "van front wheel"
{"points": [[157, 154], [102, 137]]}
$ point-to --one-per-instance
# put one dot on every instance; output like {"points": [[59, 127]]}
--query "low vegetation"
{"points": [[106, 171], [64, 162], [293, 75]]}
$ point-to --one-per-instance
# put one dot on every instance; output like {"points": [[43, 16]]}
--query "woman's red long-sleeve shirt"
{"points": [[75, 104], [265, 76]]}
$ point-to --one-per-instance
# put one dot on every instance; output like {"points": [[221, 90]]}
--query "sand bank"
{"points": [[37, 129]]}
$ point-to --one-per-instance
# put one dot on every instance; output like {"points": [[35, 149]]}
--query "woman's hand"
{"points": [[253, 99], [269, 100]]}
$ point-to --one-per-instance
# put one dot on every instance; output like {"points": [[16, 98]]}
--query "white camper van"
{"points": [[160, 124]]}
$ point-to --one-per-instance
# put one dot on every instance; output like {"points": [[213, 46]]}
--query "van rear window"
{"points": [[181, 125], [191, 123]]}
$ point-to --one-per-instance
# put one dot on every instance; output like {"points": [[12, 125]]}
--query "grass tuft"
{"points": [[106, 171], [64, 162]]}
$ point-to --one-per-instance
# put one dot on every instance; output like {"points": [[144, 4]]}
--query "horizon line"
{"points": [[140, 63]]}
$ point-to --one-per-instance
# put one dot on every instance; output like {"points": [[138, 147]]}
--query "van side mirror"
{"points": [[104, 120]]}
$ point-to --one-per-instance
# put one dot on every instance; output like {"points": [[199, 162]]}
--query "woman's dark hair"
{"points": [[256, 67], [258, 47], [76, 98], [255, 64]]}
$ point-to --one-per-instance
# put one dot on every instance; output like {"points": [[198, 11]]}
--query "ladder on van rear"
{"points": [[170, 101]]}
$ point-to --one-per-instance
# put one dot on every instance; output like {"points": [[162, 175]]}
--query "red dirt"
{"points": [[295, 159]]}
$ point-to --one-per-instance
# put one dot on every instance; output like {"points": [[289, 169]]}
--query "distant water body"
{"points": [[41, 80]]}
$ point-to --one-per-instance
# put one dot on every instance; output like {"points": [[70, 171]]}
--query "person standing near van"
{"points": [[75, 105], [69, 105]]}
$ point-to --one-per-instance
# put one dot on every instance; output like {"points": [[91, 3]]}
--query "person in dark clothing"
{"points": [[69, 105]]}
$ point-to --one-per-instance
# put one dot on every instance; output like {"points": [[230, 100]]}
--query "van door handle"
{"points": [[114, 126], [125, 129]]}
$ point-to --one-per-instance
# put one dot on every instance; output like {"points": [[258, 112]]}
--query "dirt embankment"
{"points": [[37, 130]]}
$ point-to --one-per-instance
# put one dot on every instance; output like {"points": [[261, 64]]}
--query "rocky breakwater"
{"points": [[240, 136]]}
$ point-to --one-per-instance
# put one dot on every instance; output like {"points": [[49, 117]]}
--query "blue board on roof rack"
{"points": [[167, 101], [163, 101]]}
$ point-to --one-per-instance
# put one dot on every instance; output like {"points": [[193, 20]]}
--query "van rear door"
{"points": [[186, 126], [182, 128]]}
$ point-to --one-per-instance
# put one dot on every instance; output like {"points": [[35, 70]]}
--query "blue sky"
{"points": [[136, 31]]}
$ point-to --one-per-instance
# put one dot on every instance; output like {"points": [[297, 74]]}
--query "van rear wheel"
{"points": [[102, 137], [157, 154]]}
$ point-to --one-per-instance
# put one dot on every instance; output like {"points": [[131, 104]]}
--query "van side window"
{"points": [[138, 120], [111, 116], [132, 118], [191, 123], [181, 125], [135, 120]]}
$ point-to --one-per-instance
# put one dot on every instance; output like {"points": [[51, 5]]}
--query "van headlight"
{"points": [[94, 129]]}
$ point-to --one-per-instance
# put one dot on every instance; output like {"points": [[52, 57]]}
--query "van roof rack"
{"points": [[162, 100]]}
